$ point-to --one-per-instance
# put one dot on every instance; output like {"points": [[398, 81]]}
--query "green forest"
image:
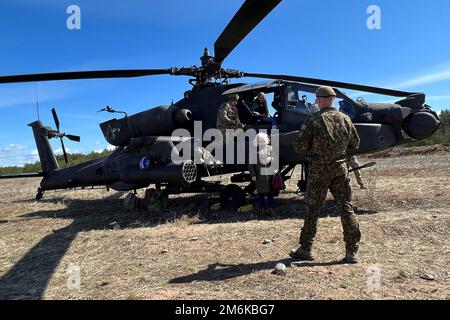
{"points": [[442, 136]]}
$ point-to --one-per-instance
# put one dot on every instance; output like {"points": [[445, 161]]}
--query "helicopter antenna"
{"points": [[37, 100]]}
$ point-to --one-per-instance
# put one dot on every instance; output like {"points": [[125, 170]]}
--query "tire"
{"points": [[160, 198], [232, 197], [148, 198]]}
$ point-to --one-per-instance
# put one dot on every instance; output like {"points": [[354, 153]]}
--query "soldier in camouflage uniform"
{"points": [[227, 117], [325, 138], [352, 162]]}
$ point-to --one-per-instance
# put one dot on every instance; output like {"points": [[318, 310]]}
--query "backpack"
{"points": [[278, 183]]}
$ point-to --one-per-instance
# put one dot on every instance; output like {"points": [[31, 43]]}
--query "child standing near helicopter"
{"points": [[262, 174]]}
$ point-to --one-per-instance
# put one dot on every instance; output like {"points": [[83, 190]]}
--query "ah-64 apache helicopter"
{"points": [[146, 138]]}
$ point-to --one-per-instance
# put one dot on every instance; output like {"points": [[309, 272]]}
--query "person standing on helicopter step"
{"points": [[262, 174], [228, 117], [352, 162], [325, 138]]}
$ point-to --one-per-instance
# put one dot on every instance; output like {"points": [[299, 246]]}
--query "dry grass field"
{"points": [[190, 252]]}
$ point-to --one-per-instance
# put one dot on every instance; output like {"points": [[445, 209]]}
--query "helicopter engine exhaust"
{"points": [[158, 121], [183, 173]]}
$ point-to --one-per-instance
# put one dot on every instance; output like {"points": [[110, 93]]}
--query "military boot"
{"points": [[351, 256], [301, 254]]}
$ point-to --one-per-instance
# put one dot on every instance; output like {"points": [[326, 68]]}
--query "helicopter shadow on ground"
{"points": [[29, 277]]}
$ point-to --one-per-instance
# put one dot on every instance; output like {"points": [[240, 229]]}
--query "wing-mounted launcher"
{"points": [[158, 121]]}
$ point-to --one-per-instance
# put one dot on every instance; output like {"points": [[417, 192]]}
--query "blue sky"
{"points": [[322, 38]]}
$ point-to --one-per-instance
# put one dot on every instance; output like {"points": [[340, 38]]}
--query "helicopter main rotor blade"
{"points": [[55, 118], [344, 85], [246, 19], [75, 75]]}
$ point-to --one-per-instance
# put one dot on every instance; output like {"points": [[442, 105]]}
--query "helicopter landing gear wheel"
{"points": [[251, 189], [40, 194], [232, 197], [159, 199]]}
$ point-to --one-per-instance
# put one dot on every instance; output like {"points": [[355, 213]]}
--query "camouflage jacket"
{"points": [[228, 118], [326, 136]]}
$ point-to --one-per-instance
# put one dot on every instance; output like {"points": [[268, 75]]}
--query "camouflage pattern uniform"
{"points": [[228, 118], [324, 138], [352, 162]]}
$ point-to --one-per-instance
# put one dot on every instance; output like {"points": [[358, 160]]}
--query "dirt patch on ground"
{"points": [[190, 252]]}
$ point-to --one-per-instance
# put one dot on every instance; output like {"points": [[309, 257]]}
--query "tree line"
{"points": [[73, 159]]}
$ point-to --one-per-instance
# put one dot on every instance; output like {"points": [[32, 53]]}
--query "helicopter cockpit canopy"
{"points": [[248, 94], [293, 102]]}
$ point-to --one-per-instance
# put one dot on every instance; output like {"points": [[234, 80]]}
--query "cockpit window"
{"points": [[347, 108], [300, 102]]}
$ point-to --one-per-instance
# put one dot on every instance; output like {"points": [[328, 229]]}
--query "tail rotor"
{"points": [[59, 134]]}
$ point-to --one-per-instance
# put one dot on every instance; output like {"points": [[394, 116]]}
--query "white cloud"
{"points": [[17, 155], [110, 147], [12, 147], [431, 75]]}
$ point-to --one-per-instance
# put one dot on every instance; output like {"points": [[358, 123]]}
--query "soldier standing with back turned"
{"points": [[325, 138]]}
